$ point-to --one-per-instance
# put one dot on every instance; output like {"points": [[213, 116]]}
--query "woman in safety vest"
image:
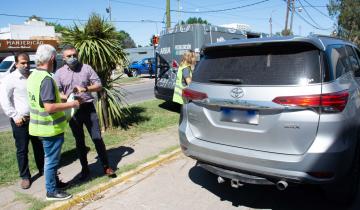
{"points": [[184, 74]]}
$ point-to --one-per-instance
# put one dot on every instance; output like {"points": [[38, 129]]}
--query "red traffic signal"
{"points": [[155, 40]]}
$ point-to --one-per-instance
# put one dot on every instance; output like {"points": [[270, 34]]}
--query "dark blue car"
{"points": [[144, 66]]}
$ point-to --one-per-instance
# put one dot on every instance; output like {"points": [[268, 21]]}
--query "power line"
{"points": [[217, 4], [182, 11], [136, 4], [306, 21], [221, 10], [82, 20], [314, 7], [308, 14], [228, 14]]}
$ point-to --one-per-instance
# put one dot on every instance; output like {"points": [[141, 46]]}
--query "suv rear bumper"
{"points": [[229, 161]]}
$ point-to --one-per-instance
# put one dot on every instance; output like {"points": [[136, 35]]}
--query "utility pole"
{"points": [[287, 15], [168, 20], [109, 10], [292, 14], [178, 12], [270, 21]]}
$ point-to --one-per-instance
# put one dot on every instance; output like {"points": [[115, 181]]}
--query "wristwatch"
{"points": [[86, 89]]}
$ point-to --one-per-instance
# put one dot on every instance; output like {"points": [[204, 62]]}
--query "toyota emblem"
{"points": [[237, 93]]}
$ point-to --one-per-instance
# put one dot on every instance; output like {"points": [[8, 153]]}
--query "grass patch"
{"points": [[35, 204], [129, 80], [149, 116]]}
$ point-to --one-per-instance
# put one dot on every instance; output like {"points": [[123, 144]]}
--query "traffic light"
{"points": [[155, 40]]}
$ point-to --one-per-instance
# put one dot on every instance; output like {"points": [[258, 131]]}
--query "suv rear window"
{"points": [[265, 64]]}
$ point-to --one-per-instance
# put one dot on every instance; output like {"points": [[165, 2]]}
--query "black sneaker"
{"points": [[61, 185], [58, 196]]}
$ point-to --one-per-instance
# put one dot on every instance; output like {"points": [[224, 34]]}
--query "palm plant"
{"points": [[98, 46]]}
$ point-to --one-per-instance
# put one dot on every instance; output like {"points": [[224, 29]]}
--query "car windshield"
{"points": [[4, 65], [267, 64]]}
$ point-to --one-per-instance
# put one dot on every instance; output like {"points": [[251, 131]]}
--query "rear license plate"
{"points": [[239, 116]]}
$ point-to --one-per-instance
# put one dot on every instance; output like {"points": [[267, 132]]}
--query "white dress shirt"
{"points": [[14, 100]]}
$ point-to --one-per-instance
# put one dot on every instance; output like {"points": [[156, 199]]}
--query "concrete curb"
{"points": [[87, 195]]}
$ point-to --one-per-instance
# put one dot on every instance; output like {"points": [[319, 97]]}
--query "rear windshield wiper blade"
{"points": [[236, 81]]}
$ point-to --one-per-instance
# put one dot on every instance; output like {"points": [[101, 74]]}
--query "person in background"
{"points": [[47, 117], [15, 106], [150, 68], [184, 75], [83, 80]]}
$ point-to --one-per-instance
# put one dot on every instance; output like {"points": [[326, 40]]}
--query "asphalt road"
{"points": [[140, 91], [135, 93], [182, 185]]}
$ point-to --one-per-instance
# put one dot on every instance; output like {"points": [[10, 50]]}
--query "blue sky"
{"points": [[257, 16]]}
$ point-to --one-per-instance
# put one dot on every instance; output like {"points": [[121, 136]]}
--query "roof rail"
{"points": [[328, 36]]}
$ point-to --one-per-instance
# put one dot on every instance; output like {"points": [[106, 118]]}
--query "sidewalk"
{"points": [[148, 145]]}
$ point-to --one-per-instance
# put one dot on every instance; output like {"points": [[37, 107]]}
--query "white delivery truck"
{"points": [[174, 42]]}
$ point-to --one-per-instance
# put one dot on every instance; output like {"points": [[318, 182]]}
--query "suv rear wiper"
{"points": [[227, 81]]}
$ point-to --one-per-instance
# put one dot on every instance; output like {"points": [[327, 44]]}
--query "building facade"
{"points": [[31, 29]]}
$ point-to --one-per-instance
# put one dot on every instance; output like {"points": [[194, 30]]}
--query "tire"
{"points": [[346, 190], [134, 73]]}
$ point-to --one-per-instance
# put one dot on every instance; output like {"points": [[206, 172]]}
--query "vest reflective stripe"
{"points": [[37, 112], [42, 123], [177, 97]]}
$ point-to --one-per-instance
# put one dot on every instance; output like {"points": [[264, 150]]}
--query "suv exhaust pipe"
{"points": [[235, 183], [281, 185]]}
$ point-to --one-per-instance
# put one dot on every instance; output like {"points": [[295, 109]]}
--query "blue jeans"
{"points": [[52, 150]]}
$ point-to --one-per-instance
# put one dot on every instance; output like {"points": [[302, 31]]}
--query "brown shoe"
{"points": [[25, 184], [109, 172]]}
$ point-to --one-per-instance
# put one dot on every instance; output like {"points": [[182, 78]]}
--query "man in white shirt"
{"points": [[16, 107]]}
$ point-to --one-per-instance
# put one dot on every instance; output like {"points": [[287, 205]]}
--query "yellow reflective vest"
{"points": [[42, 123], [177, 97]]}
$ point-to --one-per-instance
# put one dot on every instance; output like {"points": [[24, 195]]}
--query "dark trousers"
{"points": [[87, 115], [22, 137]]}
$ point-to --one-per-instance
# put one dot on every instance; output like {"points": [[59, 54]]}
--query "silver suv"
{"points": [[276, 111]]}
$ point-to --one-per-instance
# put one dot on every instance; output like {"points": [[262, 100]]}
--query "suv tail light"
{"points": [[329, 102], [191, 95]]}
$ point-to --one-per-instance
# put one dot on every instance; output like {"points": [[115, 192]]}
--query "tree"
{"points": [[348, 22], [58, 28], [194, 20], [34, 17], [125, 40], [286, 32], [98, 45]]}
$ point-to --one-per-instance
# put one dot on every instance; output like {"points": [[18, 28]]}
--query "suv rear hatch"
{"points": [[244, 85]]}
